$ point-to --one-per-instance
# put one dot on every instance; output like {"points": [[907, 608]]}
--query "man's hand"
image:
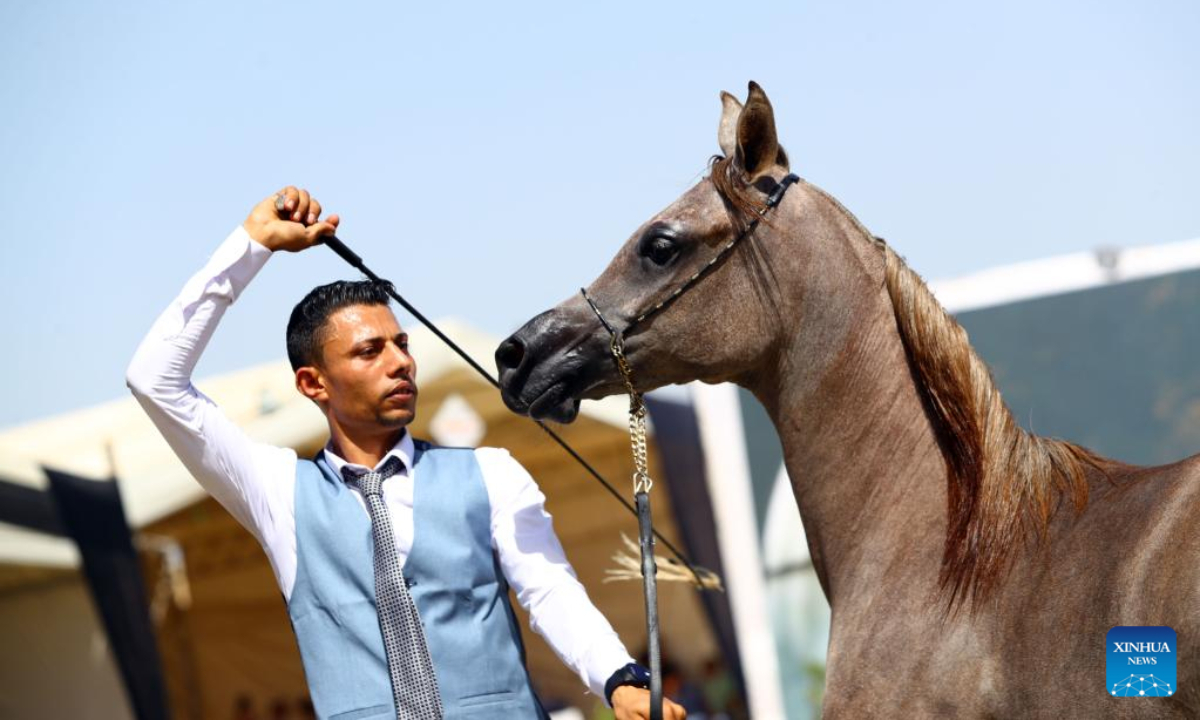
{"points": [[633, 703], [289, 220]]}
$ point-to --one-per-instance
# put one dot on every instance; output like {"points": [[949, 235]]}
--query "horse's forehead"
{"points": [[700, 205]]}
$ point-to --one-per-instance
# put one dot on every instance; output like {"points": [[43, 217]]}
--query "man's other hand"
{"points": [[289, 220], [633, 703]]}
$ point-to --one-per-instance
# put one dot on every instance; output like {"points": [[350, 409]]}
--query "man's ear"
{"points": [[311, 384]]}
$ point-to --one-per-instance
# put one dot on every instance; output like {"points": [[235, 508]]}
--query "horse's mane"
{"points": [[1003, 483]]}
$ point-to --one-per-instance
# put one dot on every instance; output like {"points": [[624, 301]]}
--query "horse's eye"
{"points": [[661, 250]]}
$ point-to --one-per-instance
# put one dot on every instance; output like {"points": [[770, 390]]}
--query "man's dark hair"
{"points": [[307, 326]]}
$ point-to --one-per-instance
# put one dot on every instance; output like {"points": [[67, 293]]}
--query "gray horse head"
{"points": [[716, 331]]}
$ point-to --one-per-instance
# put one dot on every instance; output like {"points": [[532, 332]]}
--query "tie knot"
{"points": [[371, 482]]}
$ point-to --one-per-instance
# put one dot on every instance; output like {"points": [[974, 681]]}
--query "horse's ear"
{"points": [[731, 108], [758, 149]]}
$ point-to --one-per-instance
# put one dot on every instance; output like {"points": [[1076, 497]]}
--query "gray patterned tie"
{"points": [[414, 686]]}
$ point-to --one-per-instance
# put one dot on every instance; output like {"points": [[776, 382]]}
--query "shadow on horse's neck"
{"points": [[860, 451]]}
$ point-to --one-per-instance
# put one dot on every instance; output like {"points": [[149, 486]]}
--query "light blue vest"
{"points": [[454, 578]]}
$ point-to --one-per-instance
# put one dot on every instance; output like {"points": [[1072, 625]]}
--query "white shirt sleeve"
{"points": [[254, 481], [537, 569]]}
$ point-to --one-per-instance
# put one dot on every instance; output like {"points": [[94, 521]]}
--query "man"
{"points": [[440, 639]]}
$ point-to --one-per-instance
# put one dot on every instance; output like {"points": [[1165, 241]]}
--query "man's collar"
{"points": [[403, 449]]}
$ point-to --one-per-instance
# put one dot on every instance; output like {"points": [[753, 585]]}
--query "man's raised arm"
{"points": [[240, 473]]}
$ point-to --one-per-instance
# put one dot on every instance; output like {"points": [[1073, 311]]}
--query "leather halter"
{"points": [[773, 200]]}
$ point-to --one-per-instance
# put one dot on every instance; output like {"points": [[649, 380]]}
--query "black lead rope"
{"points": [[637, 429], [356, 262]]}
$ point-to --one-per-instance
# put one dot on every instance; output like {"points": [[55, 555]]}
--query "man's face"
{"points": [[370, 379]]}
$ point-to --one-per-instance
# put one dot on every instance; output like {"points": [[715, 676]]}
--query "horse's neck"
{"points": [[859, 448]]}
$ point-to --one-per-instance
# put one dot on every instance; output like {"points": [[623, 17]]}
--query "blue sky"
{"points": [[491, 158]]}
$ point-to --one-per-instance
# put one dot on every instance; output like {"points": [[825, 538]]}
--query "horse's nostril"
{"points": [[510, 354]]}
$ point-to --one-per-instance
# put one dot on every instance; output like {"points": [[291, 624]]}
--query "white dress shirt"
{"points": [[255, 482]]}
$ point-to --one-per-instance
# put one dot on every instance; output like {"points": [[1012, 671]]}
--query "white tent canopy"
{"points": [[116, 439]]}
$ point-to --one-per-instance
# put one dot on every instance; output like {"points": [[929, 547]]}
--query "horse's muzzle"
{"points": [[541, 368]]}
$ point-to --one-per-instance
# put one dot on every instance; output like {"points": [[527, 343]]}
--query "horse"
{"points": [[973, 569]]}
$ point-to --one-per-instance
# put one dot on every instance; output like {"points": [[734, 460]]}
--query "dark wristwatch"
{"points": [[631, 674]]}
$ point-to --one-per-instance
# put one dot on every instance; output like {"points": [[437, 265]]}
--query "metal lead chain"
{"points": [[637, 420], [641, 493]]}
